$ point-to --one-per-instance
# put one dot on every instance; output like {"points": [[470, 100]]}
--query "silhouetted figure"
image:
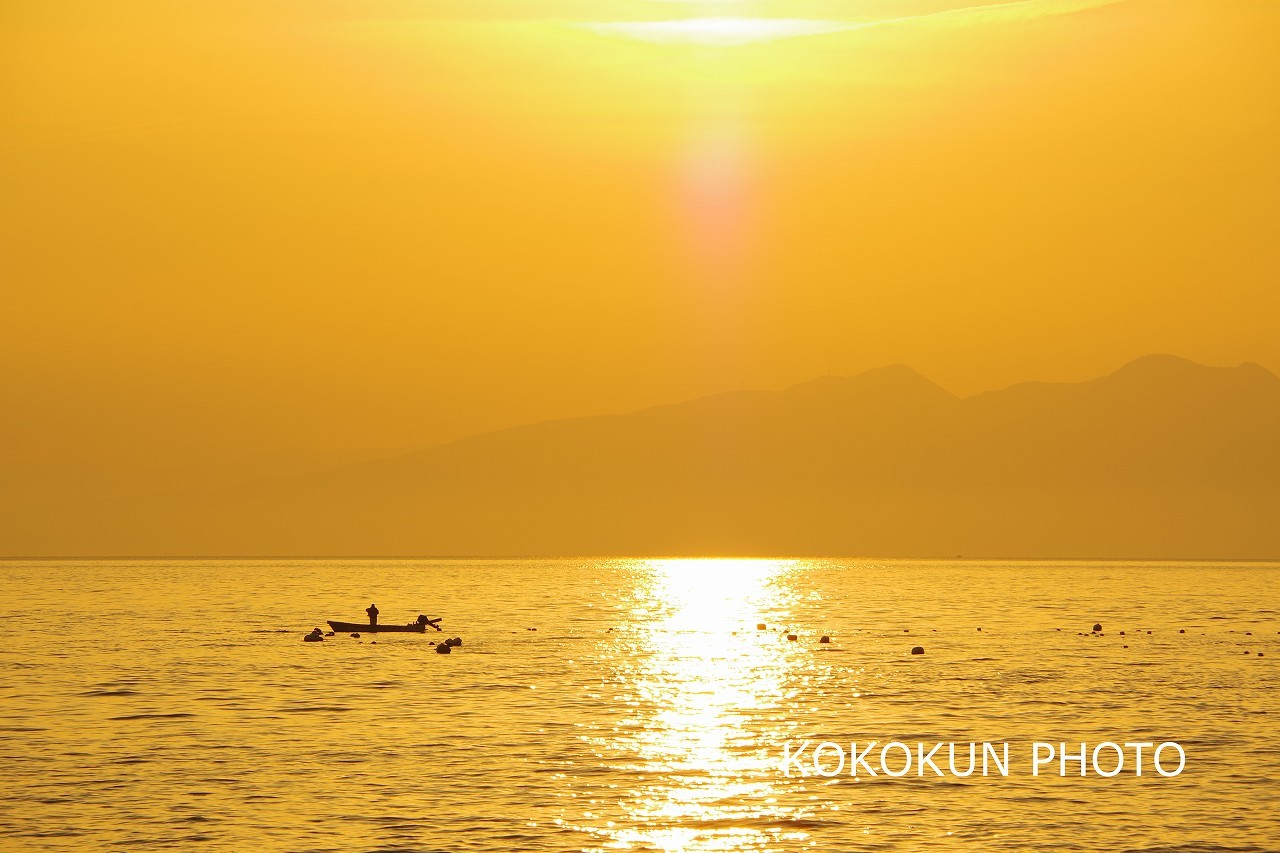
{"points": [[372, 610]]}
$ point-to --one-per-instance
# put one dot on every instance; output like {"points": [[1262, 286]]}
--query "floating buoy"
{"points": [[355, 636], [443, 649], [792, 637], [1097, 626], [531, 629], [1126, 647], [760, 626], [906, 630], [1122, 634], [979, 629], [1148, 632], [329, 633], [825, 639], [1260, 654], [917, 650], [1248, 633], [1182, 630]]}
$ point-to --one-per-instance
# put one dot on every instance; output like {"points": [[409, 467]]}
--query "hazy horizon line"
{"points": [[540, 557]]}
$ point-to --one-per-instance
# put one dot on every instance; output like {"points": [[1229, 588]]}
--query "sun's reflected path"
{"points": [[703, 688]]}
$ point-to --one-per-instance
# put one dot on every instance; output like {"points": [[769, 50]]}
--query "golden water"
{"points": [[173, 705]]}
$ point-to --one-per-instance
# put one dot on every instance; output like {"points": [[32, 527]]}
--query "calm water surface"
{"points": [[173, 704]]}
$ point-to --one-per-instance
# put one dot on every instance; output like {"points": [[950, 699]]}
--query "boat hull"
{"points": [[365, 627]]}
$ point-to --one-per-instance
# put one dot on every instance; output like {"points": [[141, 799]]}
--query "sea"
{"points": [[626, 704]]}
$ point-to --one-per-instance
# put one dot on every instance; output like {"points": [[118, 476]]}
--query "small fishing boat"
{"points": [[415, 627]]}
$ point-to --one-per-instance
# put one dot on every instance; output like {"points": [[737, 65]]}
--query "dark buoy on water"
{"points": [[760, 626], [443, 649], [1097, 626], [329, 633], [1122, 633], [1182, 630], [825, 639], [355, 636], [792, 637], [917, 650]]}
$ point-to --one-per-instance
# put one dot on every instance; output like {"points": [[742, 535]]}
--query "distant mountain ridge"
{"points": [[1164, 458]]}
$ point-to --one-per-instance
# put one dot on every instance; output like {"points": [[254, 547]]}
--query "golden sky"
{"points": [[258, 228]]}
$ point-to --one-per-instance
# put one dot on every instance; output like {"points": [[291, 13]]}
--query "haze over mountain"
{"points": [[1162, 458]]}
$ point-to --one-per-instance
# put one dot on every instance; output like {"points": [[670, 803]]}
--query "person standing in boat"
{"points": [[372, 610]]}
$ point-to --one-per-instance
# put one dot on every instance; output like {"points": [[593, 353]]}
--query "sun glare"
{"points": [[733, 30], [723, 32]]}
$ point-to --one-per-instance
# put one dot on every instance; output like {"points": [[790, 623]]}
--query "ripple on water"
{"points": [[658, 735]]}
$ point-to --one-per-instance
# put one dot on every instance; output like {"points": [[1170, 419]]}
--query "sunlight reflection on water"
{"points": [[604, 705], [697, 689]]}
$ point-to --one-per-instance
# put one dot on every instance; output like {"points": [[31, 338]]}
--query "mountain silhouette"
{"points": [[1164, 458]]}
